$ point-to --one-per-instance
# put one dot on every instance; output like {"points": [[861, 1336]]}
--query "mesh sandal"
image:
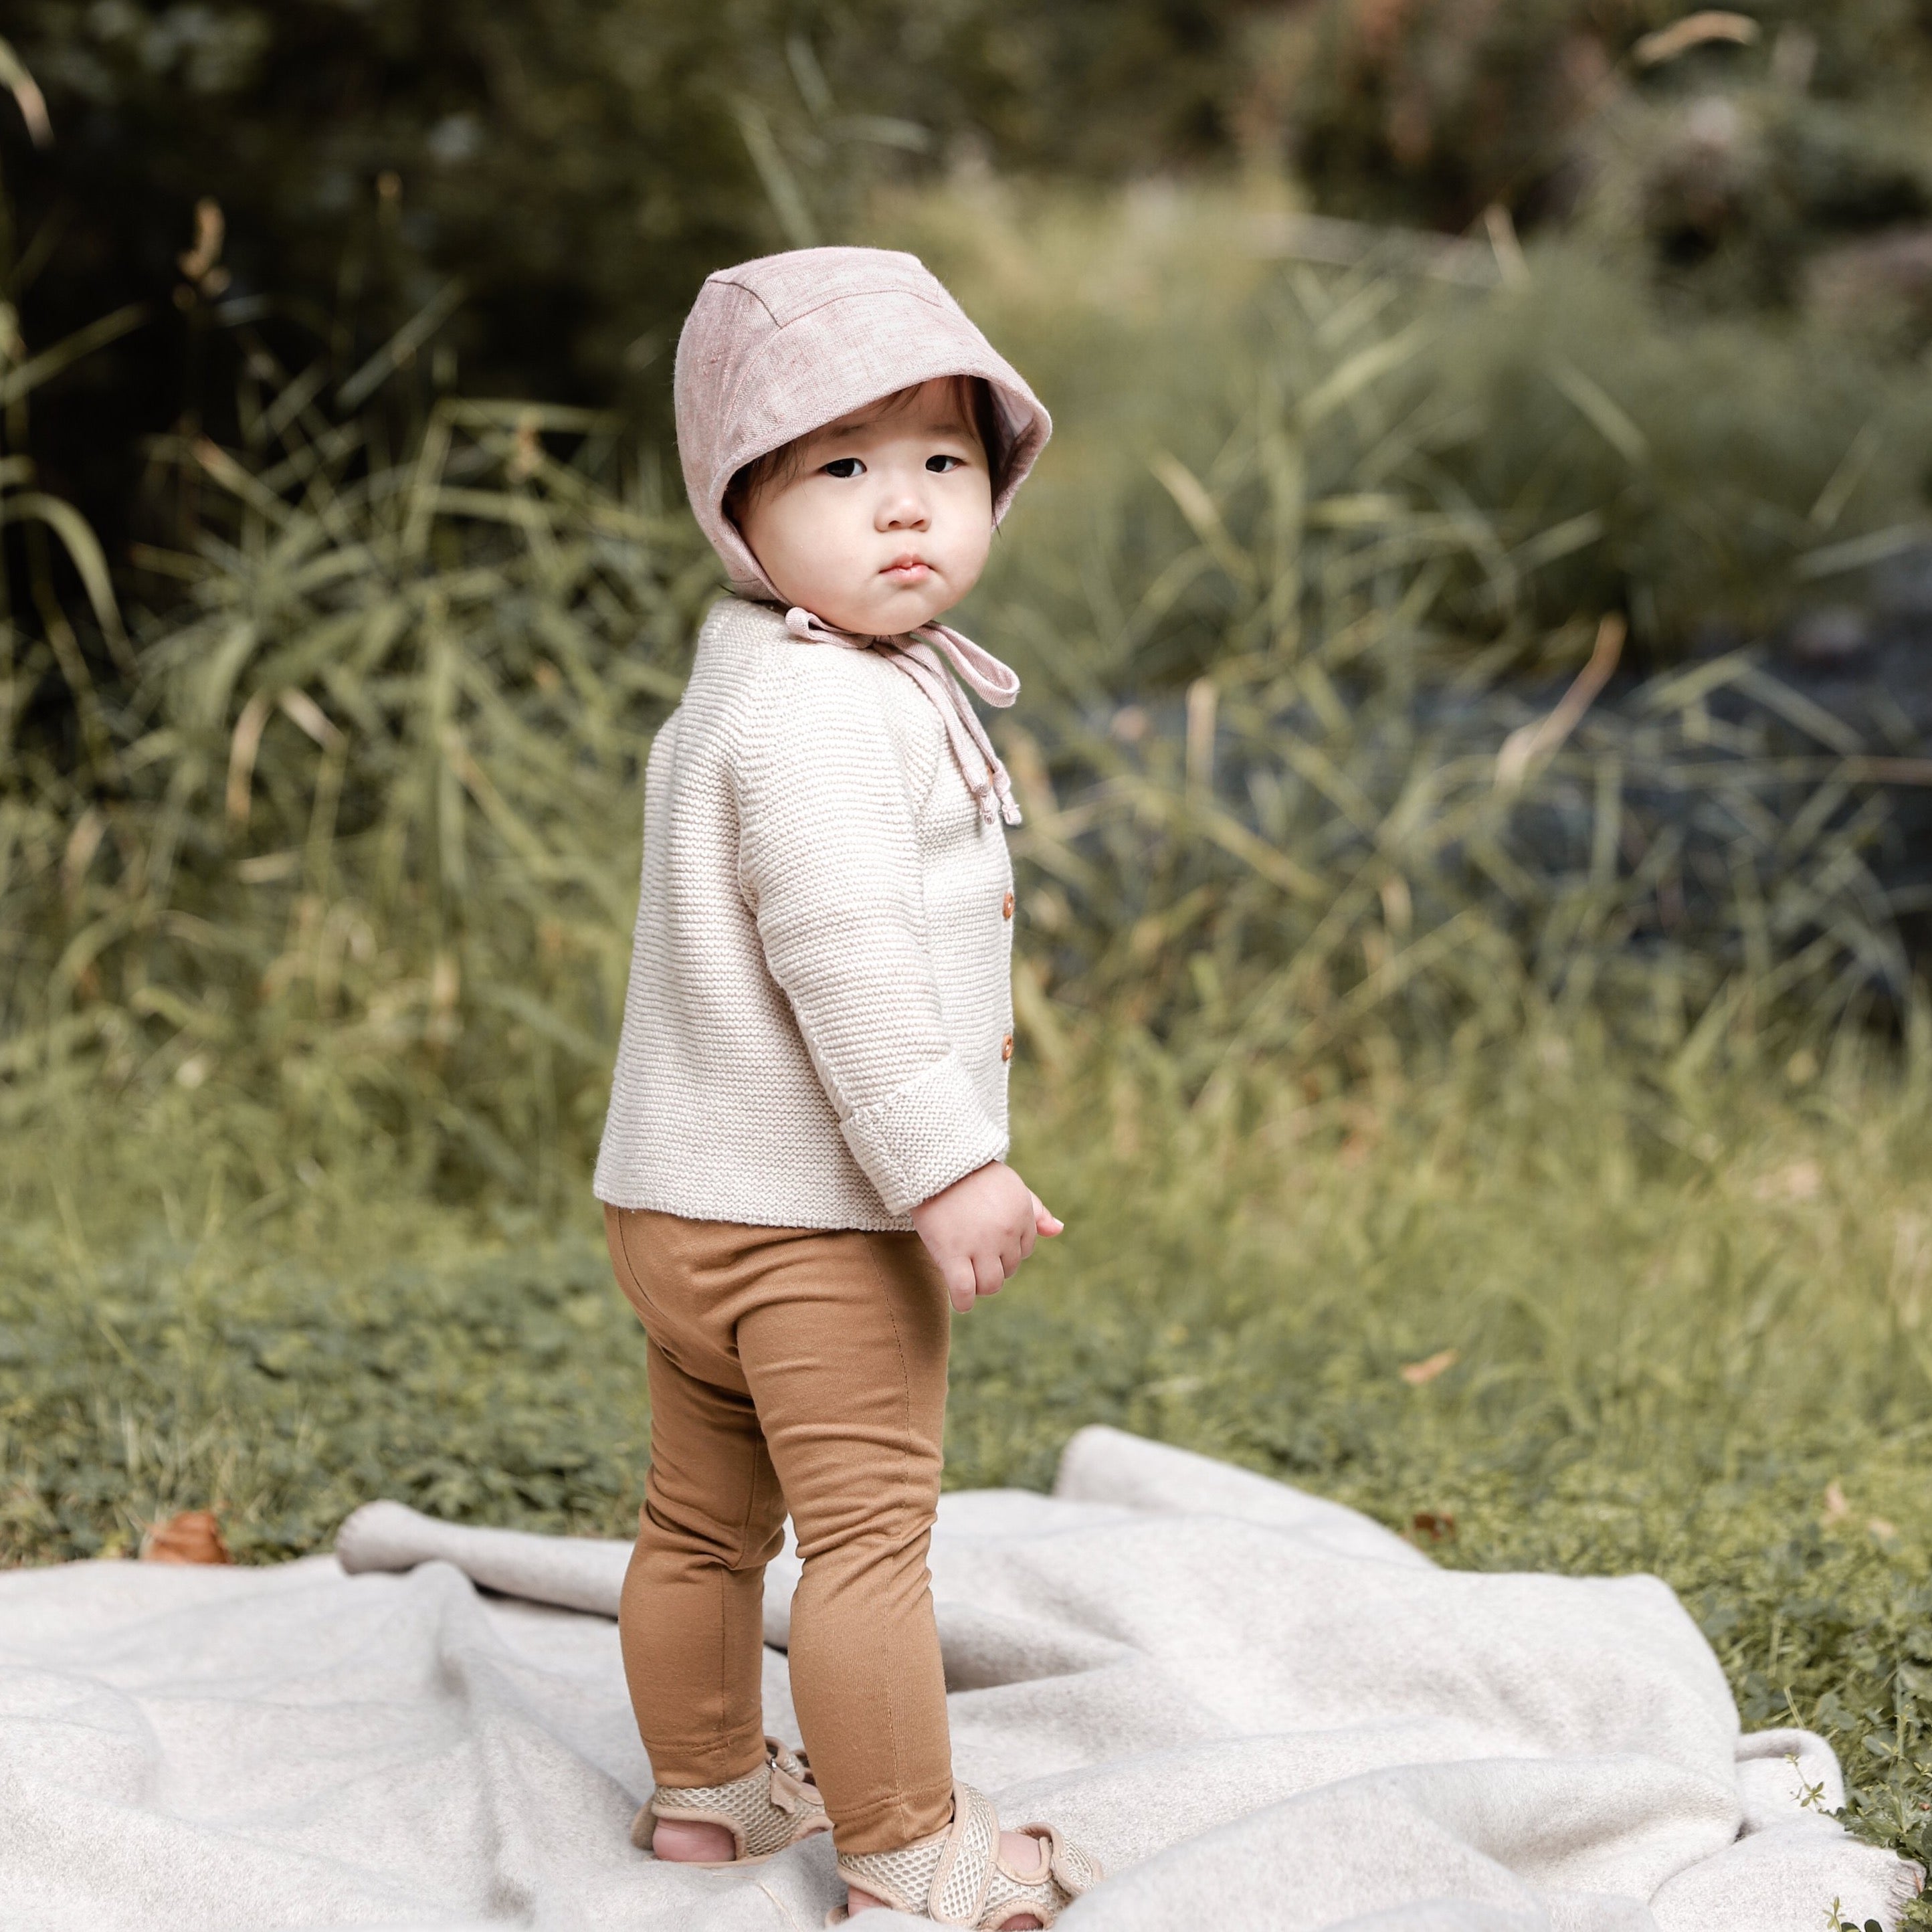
{"points": [[765, 1811], [958, 1877]]}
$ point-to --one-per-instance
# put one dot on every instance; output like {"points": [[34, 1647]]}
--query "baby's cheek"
{"points": [[967, 550], [822, 554]]}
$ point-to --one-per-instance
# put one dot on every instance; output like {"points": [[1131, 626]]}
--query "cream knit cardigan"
{"points": [[820, 1014]]}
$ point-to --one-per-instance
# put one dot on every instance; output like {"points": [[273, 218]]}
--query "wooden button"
{"points": [[1007, 907], [1006, 1047]]}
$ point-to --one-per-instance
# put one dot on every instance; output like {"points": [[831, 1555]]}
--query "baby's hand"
{"points": [[980, 1229]]}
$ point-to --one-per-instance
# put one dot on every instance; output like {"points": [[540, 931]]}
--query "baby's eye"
{"points": [[844, 466], [939, 465]]}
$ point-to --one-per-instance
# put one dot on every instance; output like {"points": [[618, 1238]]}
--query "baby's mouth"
{"points": [[907, 570]]}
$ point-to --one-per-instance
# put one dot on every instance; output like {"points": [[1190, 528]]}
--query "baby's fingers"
{"points": [[1044, 1219], [962, 1283]]}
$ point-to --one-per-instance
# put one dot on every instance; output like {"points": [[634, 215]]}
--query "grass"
{"points": [[1683, 1331]]}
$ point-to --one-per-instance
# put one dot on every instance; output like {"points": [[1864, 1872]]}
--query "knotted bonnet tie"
{"points": [[916, 654]]}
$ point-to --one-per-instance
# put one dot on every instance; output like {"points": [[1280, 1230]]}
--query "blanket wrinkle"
{"points": [[1260, 1709]]}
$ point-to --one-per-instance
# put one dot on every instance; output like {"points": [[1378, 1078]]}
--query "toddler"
{"points": [[802, 1164]]}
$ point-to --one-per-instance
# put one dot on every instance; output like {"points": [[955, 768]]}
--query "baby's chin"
{"points": [[886, 611]]}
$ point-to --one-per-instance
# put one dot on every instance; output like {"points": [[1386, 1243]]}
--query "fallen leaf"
{"points": [[1836, 1507], [1439, 1525], [192, 1537], [1416, 1373]]}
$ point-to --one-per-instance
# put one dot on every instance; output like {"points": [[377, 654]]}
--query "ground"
{"points": [[1558, 1316]]}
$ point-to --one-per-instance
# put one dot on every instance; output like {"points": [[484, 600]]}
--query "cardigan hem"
{"points": [[762, 1213]]}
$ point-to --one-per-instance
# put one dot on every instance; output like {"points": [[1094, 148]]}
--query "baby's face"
{"points": [[886, 520]]}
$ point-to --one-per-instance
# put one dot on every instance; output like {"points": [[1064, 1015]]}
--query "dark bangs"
{"points": [[974, 398]]}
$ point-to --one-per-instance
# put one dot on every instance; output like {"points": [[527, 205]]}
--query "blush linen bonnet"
{"points": [[776, 348]]}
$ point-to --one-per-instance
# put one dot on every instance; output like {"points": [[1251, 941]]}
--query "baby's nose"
{"points": [[906, 510]]}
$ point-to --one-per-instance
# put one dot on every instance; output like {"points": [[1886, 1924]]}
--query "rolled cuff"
{"points": [[929, 1134]]}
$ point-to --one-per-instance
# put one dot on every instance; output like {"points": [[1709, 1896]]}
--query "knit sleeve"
{"points": [[828, 863]]}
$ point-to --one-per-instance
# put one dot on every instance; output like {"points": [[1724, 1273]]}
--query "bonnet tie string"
{"points": [[917, 655]]}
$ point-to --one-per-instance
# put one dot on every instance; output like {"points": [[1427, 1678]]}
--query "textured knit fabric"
{"points": [[917, 655], [775, 348], [820, 1010], [800, 1370]]}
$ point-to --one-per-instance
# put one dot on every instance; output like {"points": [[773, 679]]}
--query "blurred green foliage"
{"points": [[578, 165], [581, 165], [1728, 469], [353, 855], [1742, 211], [1733, 154], [378, 770]]}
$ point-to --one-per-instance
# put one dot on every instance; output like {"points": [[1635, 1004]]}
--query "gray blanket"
{"points": [[1260, 1709]]}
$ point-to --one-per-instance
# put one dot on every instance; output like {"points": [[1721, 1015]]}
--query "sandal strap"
{"points": [[959, 1881], [1074, 1868], [957, 1877], [765, 1811]]}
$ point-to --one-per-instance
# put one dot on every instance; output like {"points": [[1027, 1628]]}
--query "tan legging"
{"points": [[790, 1367]]}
